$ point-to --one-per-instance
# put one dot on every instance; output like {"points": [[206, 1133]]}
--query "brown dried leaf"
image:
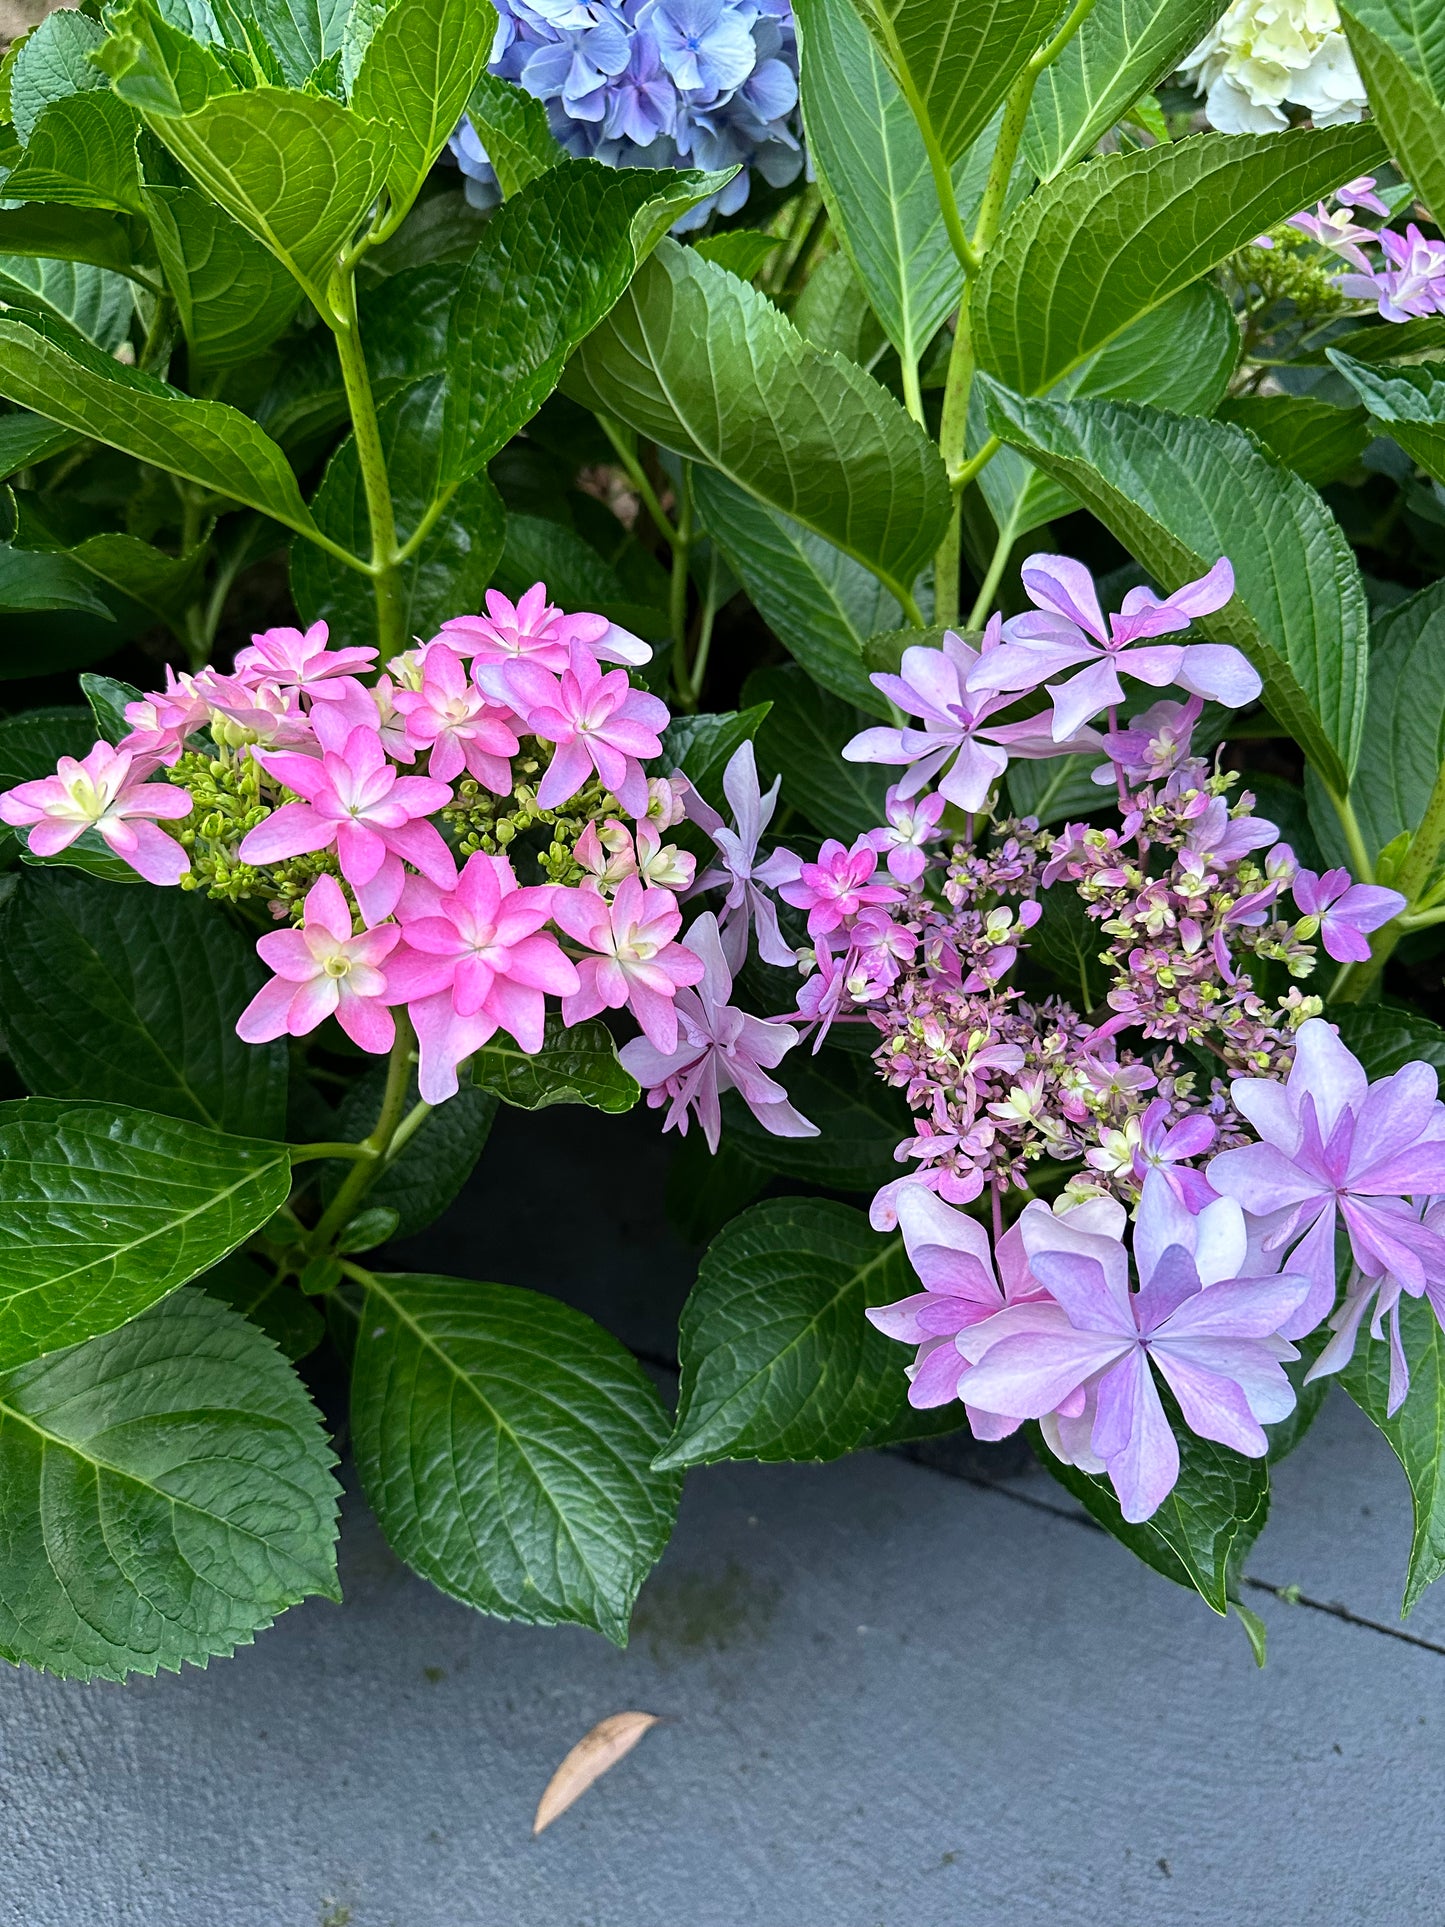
{"points": [[589, 1759]]}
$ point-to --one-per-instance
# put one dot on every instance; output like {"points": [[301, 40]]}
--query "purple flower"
{"points": [[1384, 1294], [1069, 630], [1337, 232], [1332, 1142], [955, 1264], [1162, 1146], [1414, 283], [1215, 838], [746, 879], [706, 45], [939, 686], [1347, 911], [910, 827], [1154, 744], [719, 1048], [1213, 1336], [1360, 192]]}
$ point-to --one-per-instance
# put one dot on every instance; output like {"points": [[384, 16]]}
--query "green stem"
{"points": [[374, 1148], [158, 335], [626, 452], [677, 599], [356, 377], [309, 1153], [1050, 51], [407, 1129], [801, 253], [912, 392], [1423, 857], [983, 602], [427, 523], [1360, 860], [702, 647]]}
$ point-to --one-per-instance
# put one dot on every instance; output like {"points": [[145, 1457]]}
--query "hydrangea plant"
{"points": [[941, 692]]}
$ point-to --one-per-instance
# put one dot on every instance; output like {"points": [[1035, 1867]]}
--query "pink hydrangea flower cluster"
{"points": [[381, 819]]}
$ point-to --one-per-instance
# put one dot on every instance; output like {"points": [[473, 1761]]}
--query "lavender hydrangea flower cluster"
{"points": [[1408, 279], [654, 83], [1194, 1125]]}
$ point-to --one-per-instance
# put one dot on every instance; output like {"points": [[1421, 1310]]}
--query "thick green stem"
{"points": [[1360, 859], [626, 451], [1412, 880], [374, 1148], [983, 603], [384, 567], [677, 599], [958, 385]]}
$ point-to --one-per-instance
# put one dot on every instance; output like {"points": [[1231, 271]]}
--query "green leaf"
{"points": [[1318, 440], [164, 69], [512, 125], [504, 1442], [105, 1210], [415, 78], [96, 303], [166, 584], [165, 1492], [452, 568], [1409, 401], [286, 1315], [1123, 49], [577, 577], [576, 1066], [1416, 1433], [955, 64], [1385, 341], [1180, 357], [32, 743], [1406, 99], [778, 1360], [1104, 243], [702, 746], [1179, 493], [296, 170], [1056, 789], [705, 365], [234, 298], [1388, 1035], [81, 154], [80, 234], [802, 740], [302, 34], [819, 602], [1068, 942], [1404, 741], [60, 375], [29, 581], [833, 313], [108, 698], [432, 1166], [860, 1120], [742, 251], [132, 998], [26, 439], [1212, 1517], [551, 263], [53, 64], [1416, 31], [873, 169]]}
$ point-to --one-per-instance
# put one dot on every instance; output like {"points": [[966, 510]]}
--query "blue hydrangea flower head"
{"points": [[654, 83]]}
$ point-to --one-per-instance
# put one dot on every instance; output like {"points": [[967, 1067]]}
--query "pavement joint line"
{"points": [[1287, 1595]]}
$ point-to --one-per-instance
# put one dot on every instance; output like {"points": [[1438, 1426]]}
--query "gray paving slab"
{"points": [[890, 1697]]}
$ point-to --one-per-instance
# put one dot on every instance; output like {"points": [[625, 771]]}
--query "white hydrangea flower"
{"points": [[1264, 53]]}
